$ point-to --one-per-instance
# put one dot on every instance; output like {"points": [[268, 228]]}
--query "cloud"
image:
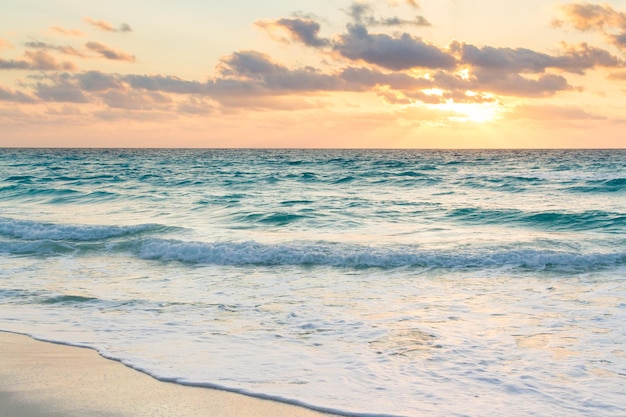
{"points": [[361, 13], [519, 86], [197, 106], [98, 81], [7, 94], [102, 51], [365, 79], [38, 61], [576, 59], [68, 50], [64, 31], [619, 76], [106, 26], [395, 53], [63, 89], [302, 30], [135, 99], [587, 16], [270, 76], [602, 18], [108, 52]]}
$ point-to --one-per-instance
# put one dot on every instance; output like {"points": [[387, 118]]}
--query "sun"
{"points": [[471, 112], [482, 108]]}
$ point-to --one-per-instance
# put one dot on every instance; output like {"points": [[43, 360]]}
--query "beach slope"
{"points": [[39, 379]]}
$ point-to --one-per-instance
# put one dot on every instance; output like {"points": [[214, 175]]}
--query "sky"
{"points": [[304, 74]]}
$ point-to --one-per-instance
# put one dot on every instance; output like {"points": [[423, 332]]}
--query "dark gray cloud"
{"points": [[521, 60], [299, 29], [275, 77], [98, 81], [395, 53]]}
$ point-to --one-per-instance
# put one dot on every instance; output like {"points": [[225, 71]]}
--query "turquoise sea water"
{"points": [[395, 283]]}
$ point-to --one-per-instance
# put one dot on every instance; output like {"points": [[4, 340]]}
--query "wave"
{"points": [[31, 230], [613, 185], [356, 256], [329, 254], [587, 220], [146, 241]]}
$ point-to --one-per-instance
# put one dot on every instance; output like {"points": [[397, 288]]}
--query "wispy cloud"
{"points": [[108, 52], [107, 26], [65, 31], [64, 49], [99, 49]]}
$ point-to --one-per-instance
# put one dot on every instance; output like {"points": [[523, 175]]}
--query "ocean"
{"points": [[363, 282]]}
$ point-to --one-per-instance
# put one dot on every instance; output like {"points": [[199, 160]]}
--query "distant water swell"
{"points": [[550, 220], [47, 239]]}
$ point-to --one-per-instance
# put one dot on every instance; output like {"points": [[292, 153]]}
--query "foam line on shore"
{"points": [[30, 355]]}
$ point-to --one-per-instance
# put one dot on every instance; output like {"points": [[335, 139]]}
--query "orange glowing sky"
{"points": [[294, 73]]}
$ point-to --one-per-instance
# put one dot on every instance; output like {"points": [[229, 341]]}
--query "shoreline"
{"points": [[47, 379]]}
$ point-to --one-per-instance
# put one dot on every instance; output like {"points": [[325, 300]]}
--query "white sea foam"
{"points": [[32, 230]]}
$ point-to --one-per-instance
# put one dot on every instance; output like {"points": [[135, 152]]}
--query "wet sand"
{"points": [[40, 379]]}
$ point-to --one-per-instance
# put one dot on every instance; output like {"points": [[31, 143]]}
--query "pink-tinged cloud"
{"points": [[107, 52], [37, 61], [8, 94], [106, 26], [587, 16], [68, 32], [600, 18]]}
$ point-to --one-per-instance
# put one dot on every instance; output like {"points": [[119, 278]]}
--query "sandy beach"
{"points": [[39, 379]]}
